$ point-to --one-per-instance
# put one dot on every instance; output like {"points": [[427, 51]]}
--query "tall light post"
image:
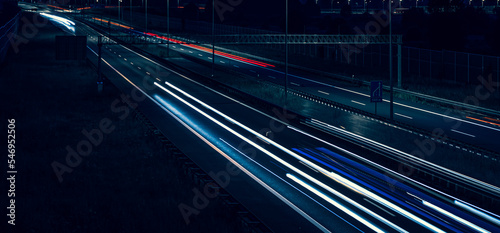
{"points": [[146, 15], [286, 55], [390, 63], [130, 12], [168, 28], [213, 37], [119, 10]]}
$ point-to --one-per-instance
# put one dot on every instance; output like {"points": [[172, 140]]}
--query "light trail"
{"points": [[328, 173]]}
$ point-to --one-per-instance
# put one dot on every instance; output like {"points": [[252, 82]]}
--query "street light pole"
{"points": [[213, 37], [146, 15], [390, 63], [168, 28], [286, 54]]}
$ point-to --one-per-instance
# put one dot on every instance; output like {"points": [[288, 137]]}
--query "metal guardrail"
{"points": [[303, 39], [448, 102]]}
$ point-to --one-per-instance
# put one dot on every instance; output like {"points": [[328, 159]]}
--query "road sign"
{"points": [[376, 91]]}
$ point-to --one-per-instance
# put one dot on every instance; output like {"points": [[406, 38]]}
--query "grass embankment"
{"points": [[125, 185]]}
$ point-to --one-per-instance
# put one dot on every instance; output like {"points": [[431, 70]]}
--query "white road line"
{"points": [[356, 102], [173, 46], [139, 68], [322, 92], [210, 58], [401, 115], [131, 63], [200, 55], [125, 59], [119, 55], [190, 51], [236, 66], [379, 207], [294, 84], [148, 73], [222, 62], [253, 71], [456, 131], [182, 49]]}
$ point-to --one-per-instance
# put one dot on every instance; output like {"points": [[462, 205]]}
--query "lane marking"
{"points": [[131, 63], [236, 66], [322, 92], [253, 71], [148, 73], [401, 115], [294, 84], [356, 102], [200, 55], [400, 104], [456, 131], [222, 62], [139, 68], [210, 58]]}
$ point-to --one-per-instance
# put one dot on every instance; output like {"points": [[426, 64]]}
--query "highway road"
{"points": [[466, 126], [469, 127], [292, 180]]}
